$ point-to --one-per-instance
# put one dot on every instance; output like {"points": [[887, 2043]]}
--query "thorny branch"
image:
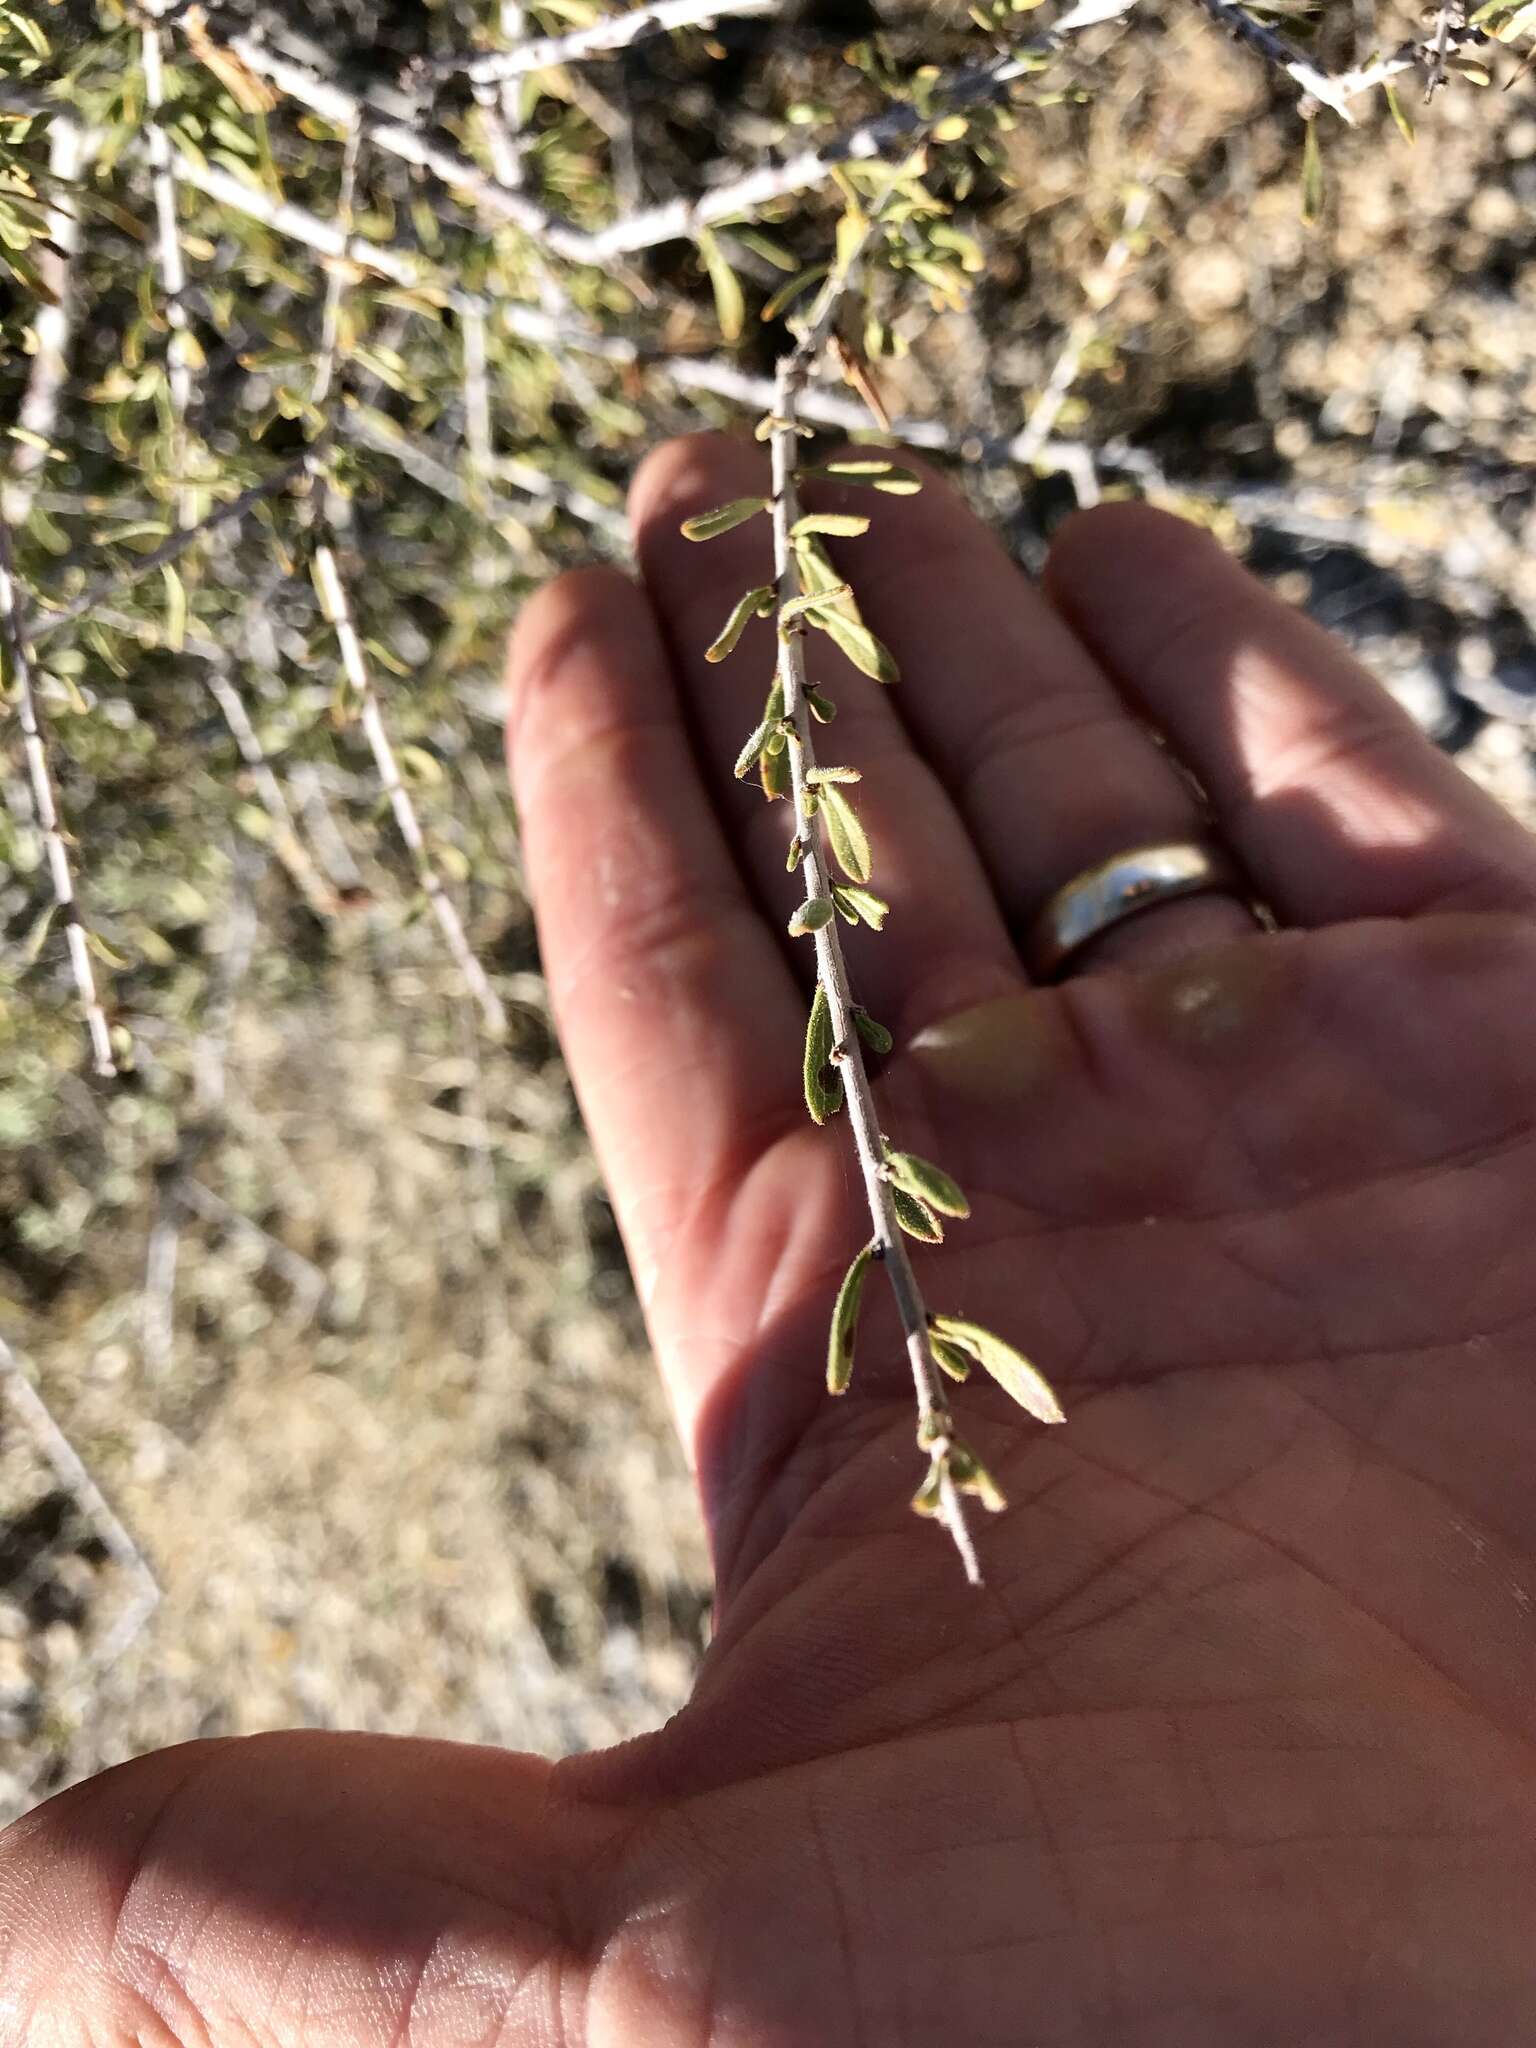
{"points": [[13, 625], [68, 148], [600, 39], [337, 607]]}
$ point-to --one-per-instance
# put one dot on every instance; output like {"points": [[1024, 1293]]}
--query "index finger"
{"points": [[676, 1009]]}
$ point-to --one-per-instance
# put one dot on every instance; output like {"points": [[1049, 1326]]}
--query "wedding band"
{"points": [[1101, 897]]}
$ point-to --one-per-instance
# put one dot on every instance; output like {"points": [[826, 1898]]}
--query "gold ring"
{"points": [[1101, 897]]}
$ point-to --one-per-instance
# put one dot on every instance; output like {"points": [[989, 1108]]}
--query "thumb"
{"points": [[334, 1889]]}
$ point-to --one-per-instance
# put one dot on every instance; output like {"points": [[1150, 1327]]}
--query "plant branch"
{"points": [[1273, 47], [168, 257], [68, 147], [14, 628], [335, 603], [601, 39], [935, 1425]]}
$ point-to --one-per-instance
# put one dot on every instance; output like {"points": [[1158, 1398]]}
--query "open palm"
{"points": [[1234, 1746]]}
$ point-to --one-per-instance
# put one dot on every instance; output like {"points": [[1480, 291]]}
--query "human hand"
{"points": [[1233, 1748]]}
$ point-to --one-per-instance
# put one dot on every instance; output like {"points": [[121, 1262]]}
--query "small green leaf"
{"points": [[796, 853], [842, 525], [1395, 109], [1311, 177], [849, 841], [874, 471], [108, 955], [730, 306], [773, 770], [787, 294], [706, 525], [823, 1086], [834, 774], [871, 657], [929, 1497], [873, 1033], [823, 710], [916, 1218], [1010, 1368], [950, 1358], [971, 1476], [814, 601], [175, 609], [861, 904], [811, 916], [752, 604], [928, 1182], [845, 1323], [773, 711]]}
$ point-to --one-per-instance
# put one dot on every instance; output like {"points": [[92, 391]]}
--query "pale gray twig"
{"points": [[337, 608], [600, 39], [935, 1427], [168, 256], [68, 148], [1272, 46], [13, 625]]}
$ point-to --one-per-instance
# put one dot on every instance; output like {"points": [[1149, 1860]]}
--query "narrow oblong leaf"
{"points": [[845, 1323], [850, 843], [1311, 177], [773, 771], [841, 525], [873, 1033], [860, 903], [773, 711], [916, 1218], [706, 525], [730, 305], [823, 1086], [971, 1476], [796, 853], [1009, 1367], [787, 294], [750, 605], [814, 602], [811, 916], [823, 710], [950, 1358], [929, 1497], [871, 657], [821, 774], [930, 1183]]}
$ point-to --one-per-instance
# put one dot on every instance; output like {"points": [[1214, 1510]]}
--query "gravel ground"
{"points": [[391, 1444]]}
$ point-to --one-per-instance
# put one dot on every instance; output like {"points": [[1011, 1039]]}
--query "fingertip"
{"points": [[596, 607]]}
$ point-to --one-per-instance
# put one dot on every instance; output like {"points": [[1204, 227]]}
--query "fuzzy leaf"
{"points": [[928, 1182], [843, 525], [873, 1033], [730, 306], [823, 1086], [823, 710], [1010, 1368], [706, 525], [815, 602], [916, 1218], [845, 1323], [929, 1497], [849, 840], [796, 853], [787, 294], [834, 774], [950, 1358], [811, 916], [773, 769], [861, 904], [871, 657], [971, 1476], [750, 605], [773, 711]]}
